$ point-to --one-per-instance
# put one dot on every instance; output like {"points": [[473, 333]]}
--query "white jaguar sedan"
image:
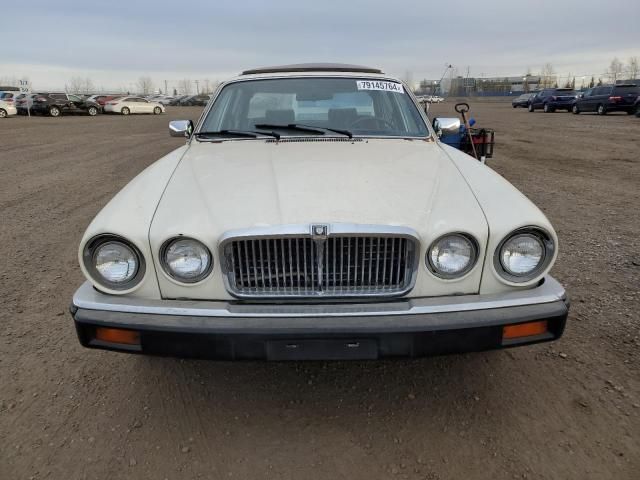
{"points": [[313, 213], [129, 105]]}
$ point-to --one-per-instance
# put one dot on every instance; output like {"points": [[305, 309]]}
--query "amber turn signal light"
{"points": [[117, 335], [524, 330]]}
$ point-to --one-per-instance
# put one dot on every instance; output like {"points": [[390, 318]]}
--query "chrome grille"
{"points": [[333, 266]]}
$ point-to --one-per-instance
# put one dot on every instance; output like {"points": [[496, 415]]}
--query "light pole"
{"points": [[197, 87]]}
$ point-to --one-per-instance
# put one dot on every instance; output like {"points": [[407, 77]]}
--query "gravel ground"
{"points": [[566, 410]]}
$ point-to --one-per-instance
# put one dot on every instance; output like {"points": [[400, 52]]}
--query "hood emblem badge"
{"points": [[319, 234]]}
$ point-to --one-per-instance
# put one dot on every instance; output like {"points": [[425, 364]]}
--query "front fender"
{"points": [[129, 215]]}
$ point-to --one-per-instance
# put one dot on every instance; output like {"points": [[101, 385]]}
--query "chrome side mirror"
{"points": [[446, 126], [180, 128]]}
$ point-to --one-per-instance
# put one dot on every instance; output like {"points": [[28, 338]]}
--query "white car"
{"points": [[7, 109], [131, 104], [313, 213], [165, 100]]}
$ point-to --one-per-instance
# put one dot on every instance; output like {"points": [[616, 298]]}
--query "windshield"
{"points": [[366, 107]]}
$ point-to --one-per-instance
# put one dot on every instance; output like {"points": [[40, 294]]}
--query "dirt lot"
{"points": [[567, 410]]}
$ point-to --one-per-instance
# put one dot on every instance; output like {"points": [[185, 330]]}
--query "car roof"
{"points": [[313, 67]]}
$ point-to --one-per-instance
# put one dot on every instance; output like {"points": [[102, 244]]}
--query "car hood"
{"points": [[223, 186], [242, 184]]}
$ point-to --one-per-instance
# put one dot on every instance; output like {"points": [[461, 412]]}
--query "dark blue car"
{"points": [[552, 99]]}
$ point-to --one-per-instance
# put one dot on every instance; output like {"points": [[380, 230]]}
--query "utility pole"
{"points": [[197, 87], [166, 92]]}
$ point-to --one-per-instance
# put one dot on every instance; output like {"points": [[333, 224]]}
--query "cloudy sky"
{"points": [[115, 42]]}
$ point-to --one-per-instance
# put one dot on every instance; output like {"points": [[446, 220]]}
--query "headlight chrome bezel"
{"points": [[475, 251], [90, 252], [177, 278], [548, 254]]}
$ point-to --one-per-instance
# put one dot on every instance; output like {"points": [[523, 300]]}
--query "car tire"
{"points": [[601, 110], [3, 113], [54, 111], [547, 109], [575, 109], [157, 111], [514, 106], [92, 111], [125, 111], [531, 109]]}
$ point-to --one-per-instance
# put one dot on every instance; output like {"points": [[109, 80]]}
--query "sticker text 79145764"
{"points": [[380, 85]]}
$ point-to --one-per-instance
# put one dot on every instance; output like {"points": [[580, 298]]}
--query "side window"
{"points": [[73, 98]]}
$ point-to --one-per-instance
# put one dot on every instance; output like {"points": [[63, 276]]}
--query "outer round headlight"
{"points": [[452, 256], [113, 262], [524, 254], [186, 260]]}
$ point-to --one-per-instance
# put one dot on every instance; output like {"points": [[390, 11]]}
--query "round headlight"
{"points": [[524, 254], [187, 260], [452, 256], [113, 262]]}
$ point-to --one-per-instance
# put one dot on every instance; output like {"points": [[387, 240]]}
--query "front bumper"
{"points": [[409, 327]]}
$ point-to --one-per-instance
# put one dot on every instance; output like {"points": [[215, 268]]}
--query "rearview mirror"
{"points": [[180, 128], [446, 126]]}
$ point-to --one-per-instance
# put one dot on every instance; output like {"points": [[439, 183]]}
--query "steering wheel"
{"points": [[461, 107], [377, 121]]}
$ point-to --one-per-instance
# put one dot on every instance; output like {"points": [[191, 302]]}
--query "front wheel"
{"points": [[575, 109], [601, 110], [54, 111], [157, 111], [92, 111], [125, 111], [531, 109], [3, 113]]}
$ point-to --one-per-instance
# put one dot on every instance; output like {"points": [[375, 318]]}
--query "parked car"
{"points": [[522, 100], [197, 100], [166, 101], [176, 100], [185, 101], [132, 104], [24, 102], [9, 96], [552, 99], [7, 109], [56, 104], [336, 226], [608, 98]]}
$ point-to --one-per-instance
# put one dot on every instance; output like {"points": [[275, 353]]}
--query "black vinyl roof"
{"points": [[314, 67]]}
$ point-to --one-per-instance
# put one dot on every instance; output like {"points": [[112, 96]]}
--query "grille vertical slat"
{"points": [[300, 266]]}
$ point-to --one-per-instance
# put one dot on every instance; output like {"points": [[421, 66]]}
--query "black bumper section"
{"points": [[361, 338]]}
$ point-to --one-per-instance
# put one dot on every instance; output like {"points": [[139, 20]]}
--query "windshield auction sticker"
{"points": [[380, 85]]}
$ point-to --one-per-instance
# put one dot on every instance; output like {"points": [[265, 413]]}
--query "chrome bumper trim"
{"points": [[86, 297]]}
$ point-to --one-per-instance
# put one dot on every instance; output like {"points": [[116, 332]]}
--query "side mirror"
{"points": [[180, 128], [446, 126]]}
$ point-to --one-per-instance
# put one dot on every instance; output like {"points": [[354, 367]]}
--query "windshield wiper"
{"points": [[306, 128], [239, 133]]}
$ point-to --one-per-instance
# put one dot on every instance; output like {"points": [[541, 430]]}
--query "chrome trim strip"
{"points": [[86, 297]]}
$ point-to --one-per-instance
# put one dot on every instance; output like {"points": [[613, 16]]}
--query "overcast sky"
{"points": [[115, 42]]}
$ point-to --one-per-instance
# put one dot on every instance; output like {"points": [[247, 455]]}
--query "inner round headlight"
{"points": [[187, 260], [452, 256], [113, 262], [524, 254]]}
